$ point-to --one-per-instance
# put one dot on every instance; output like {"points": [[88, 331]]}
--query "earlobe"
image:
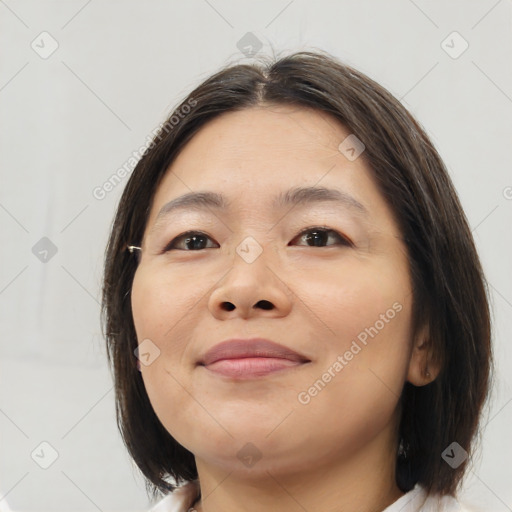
{"points": [[423, 366]]}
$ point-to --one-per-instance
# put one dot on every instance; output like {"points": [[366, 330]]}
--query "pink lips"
{"points": [[255, 357]]}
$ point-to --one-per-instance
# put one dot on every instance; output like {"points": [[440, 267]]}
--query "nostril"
{"points": [[228, 306], [265, 304]]}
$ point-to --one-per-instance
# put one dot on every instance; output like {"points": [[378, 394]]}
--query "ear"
{"points": [[423, 366]]}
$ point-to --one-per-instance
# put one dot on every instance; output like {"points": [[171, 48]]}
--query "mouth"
{"points": [[250, 367], [247, 359]]}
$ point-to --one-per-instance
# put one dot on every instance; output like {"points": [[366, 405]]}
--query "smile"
{"points": [[251, 367]]}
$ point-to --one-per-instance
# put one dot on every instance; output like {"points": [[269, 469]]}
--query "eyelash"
{"points": [[344, 240]]}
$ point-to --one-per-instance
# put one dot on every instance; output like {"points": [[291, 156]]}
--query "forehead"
{"points": [[285, 133], [262, 147]]}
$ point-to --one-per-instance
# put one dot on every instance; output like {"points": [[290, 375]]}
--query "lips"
{"points": [[251, 348]]}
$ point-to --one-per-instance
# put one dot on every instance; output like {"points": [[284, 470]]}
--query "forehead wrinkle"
{"points": [[192, 201], [297, 196]]}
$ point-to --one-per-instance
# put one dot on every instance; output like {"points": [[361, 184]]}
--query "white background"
{"points": [[70, 120]]}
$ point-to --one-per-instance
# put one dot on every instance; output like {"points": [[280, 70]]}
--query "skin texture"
{"points": [[338, 450]]}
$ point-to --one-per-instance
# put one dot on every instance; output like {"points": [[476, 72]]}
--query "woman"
{"points": [[295, 312]]}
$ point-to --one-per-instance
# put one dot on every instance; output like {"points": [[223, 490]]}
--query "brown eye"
{"points": [[189, 241], [318, 236], [314, 237]]}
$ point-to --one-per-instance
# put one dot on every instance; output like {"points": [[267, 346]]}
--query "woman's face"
{"points": [[260, 269]]}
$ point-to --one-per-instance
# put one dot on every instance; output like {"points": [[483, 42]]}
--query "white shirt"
{"points": [[415, 500]]}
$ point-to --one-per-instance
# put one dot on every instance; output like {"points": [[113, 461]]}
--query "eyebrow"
{"points": [[200, 201]]}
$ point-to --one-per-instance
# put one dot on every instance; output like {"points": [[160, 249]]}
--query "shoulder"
{"points": [[417, 500], [178, 501]]}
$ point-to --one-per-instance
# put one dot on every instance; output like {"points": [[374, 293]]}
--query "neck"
{"points": [[362, 482]]}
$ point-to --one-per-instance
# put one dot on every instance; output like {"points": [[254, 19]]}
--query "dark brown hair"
{"points": [[450, 294]]}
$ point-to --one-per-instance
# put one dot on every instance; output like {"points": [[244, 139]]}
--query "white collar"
{"points": [[416, 500]]}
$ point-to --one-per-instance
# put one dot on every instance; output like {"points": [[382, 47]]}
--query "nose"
{"points": [[251, 289]]}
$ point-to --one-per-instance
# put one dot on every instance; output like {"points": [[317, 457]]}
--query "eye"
{"points": [[193, 240], [319, 235]]}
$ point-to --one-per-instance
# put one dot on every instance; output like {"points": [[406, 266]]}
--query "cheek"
{"points": [[363, 325], [356, 299], [159, 301], [161, 308], [145, 309], [356, 385], [154, 315]]}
